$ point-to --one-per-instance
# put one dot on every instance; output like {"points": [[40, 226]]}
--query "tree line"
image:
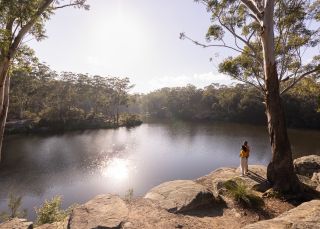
{"points": [[237, 103], [68, 100], [54, 99]]}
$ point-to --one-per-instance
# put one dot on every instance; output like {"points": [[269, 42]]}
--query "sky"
{"points": [[138, 39]]}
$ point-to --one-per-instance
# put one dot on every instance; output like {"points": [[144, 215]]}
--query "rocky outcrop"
{"points": [[307, 215], [307, 165], [202, 203], [316, 178], [181, 195], [57, 225], [255, 180], [17, 224], [104, 211]]}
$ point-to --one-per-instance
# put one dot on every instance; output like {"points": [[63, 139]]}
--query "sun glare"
{"points": [[119, 38], [117, 169]]}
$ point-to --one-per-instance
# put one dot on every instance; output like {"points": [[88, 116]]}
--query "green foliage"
{"points": [[69, 100], [240, 193], [130, 120], [238, 103], [51, 211], [129, 195], [296, 28], [14, 205]]}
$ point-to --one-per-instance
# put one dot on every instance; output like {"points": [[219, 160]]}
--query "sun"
{"points": [[120, 39]]}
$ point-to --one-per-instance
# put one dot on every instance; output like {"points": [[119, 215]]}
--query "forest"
{"points": [[69, 101], [44, 100]]}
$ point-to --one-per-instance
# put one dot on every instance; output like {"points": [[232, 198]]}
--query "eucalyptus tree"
{"points": [[269, 39], [19, 19], [119, 94]]}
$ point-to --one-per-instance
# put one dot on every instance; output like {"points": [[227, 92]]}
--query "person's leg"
{"points": [[247, 167], [242, 164]]}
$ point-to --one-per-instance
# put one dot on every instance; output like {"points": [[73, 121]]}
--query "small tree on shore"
{"points": [[18, 19], [270, 38]]}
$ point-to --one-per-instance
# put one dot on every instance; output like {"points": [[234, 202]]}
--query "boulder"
{"points": [[16, 224], [104, 211], [307, 165], [181, 195], [56, 225], [307, 215], [316, 177], [255, 180], [307, 181], [215, 180]]}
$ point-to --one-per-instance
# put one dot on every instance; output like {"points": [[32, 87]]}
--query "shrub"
{"points": [[129, 195], [130, 120], [240, 193], [14, 205], [51, 211]]}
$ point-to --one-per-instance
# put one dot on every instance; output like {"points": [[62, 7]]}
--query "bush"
{"points": [[14, 205], [51, 211], [129, 195], [240, 193], [130, 120]]}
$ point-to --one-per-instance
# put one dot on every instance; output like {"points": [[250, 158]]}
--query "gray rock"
{"points": [[181, 195], [104, 211], [307, 165], [16, 224], [307, 215]]}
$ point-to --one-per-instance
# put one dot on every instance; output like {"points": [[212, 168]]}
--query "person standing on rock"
{"points": [[244, 155]]}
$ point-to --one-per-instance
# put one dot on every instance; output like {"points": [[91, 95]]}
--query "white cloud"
{"points": [[199, 80], [95, 61]]}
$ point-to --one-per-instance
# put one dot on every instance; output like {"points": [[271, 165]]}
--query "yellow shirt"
{"points": [[244, 153]]}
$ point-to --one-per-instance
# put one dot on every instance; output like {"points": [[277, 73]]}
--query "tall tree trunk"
{"points": [[117, 116], [4, 110], [280, 170]]}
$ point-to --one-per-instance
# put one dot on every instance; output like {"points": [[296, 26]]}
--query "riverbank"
{"points": [[29, 126], [207, 202]]}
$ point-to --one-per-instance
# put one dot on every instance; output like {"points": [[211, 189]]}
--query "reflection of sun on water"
{"points": [[116, 169]]}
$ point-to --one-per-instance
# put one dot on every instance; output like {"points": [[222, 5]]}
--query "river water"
{"points": [[81, 165]]}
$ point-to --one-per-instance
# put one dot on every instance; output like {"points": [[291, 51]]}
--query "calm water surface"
{"points": [[81, 165]]}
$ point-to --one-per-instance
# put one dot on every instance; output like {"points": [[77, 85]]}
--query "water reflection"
{"points": [[116, 169], [80, 165]]}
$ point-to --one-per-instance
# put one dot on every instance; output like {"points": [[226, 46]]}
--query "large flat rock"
{"points": [[104, 211], [256, 179], [16, 224], [181, 195], [307, 215], [307, 165]]}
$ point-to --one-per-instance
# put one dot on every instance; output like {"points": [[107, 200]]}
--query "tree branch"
{"points": [[298, 79], [211, 45], [64, 6], [25, 29], [254, 9]]}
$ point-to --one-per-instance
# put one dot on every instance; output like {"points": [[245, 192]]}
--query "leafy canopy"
{"points": [[296, 28], [20, 18]]}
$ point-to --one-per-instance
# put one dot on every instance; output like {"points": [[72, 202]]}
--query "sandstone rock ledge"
{"points": [[181, 195], [307, 215], [202, 203]]}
